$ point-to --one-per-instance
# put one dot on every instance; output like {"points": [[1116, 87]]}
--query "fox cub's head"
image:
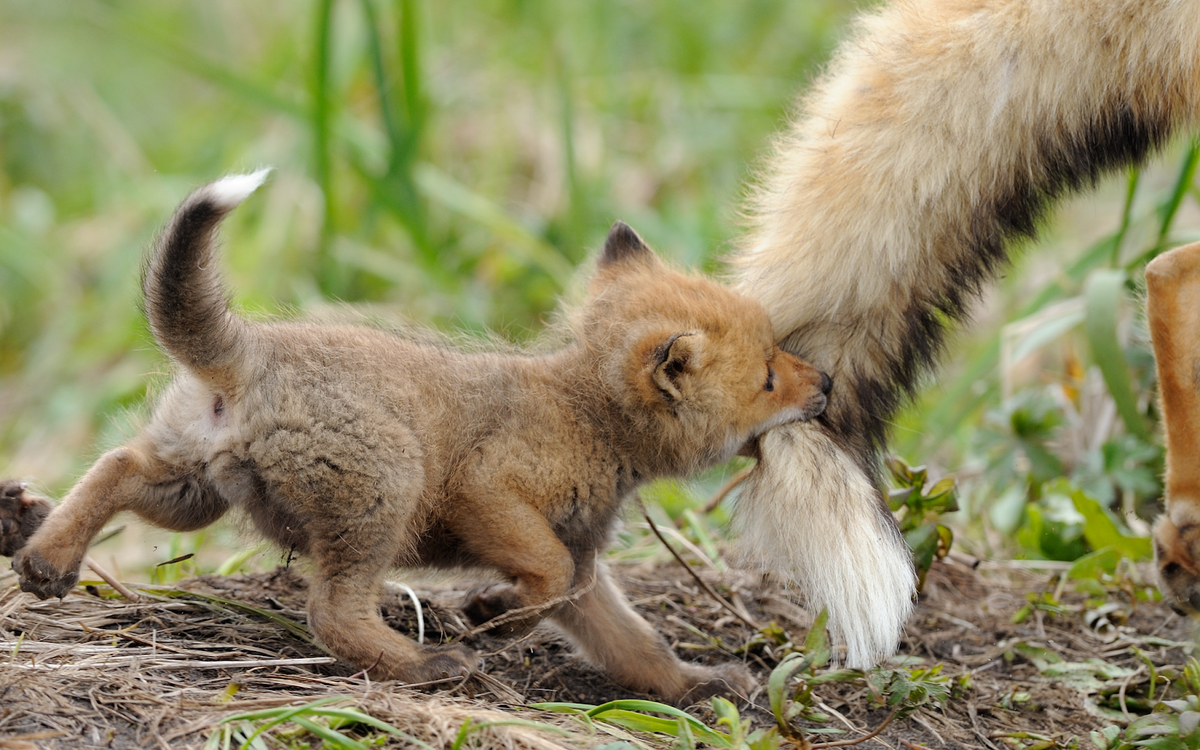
{"points": [[694, 365], [1176, 552]]}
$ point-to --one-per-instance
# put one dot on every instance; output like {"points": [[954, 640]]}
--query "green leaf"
{"points": [[923, 542], [816, 643], [1152, 725], [777, 683], [900, 471], [1094, 564], [625, 713], [1183, 182], [1046, 326], [331, 736], [1100, 528], [945, 486], [1103, 294], [1189, 721]]}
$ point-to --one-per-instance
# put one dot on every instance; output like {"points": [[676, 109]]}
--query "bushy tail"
{"points": [[185, 303], [806, 511], [942, 132]]}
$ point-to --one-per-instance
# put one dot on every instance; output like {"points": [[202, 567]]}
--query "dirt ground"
{"points": [[96, 670]]}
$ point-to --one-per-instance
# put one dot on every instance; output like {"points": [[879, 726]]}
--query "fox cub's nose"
{"points": [[826, 384]]}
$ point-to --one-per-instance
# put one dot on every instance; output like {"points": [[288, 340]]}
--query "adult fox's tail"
{"points": [[940, 135], [185, 303]]}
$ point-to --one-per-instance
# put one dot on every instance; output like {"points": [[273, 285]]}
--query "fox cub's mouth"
{"points": [[814, 408], [816, 403]]}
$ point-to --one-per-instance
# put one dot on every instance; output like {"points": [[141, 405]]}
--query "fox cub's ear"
{"points": [[671, 361], [623, 244]]}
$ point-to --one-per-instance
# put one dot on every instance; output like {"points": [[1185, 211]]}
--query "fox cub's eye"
{"points": [[770, 384]]}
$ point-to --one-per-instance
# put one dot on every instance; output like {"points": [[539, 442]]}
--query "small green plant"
{"points": [[1045, 602], [802, 665], [640, 716], [1174, 725], [732, 731], [918, 509], [907, 690], [287, 726], [1066, 523]]}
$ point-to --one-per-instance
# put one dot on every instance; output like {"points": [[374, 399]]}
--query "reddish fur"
{"points": [[1173, 311]]}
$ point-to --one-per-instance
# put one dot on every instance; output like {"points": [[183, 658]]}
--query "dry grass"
{"points": [[95, 670]]}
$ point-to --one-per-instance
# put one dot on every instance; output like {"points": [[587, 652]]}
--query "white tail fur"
{"points": [[229, 192], [803, 514]]}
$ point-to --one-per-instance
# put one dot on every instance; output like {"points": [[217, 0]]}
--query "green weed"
{"points": [[316, 719], [918, 510]]}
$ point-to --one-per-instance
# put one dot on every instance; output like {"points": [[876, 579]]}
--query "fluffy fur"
{"points": [[1173, 311], [367, 451], [938, 138]]}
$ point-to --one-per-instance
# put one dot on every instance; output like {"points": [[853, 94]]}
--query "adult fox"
{"points": [[937, 139]]}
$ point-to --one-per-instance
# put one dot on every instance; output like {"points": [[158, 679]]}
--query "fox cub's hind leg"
{"points": [[1173, 311], [615, 638], [131, 478]]}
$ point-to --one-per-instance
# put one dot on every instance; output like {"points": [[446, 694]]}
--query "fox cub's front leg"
{"points": [[1173, 312]]}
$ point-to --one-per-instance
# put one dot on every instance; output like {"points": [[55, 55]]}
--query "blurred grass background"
{"points": [[452, 163]]}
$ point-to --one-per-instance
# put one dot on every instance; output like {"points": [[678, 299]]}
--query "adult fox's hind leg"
{"points": [[1173, 311], [131, 478]]}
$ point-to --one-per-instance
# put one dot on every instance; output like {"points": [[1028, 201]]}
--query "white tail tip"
{"points": [[232, 190], [809, 514]]}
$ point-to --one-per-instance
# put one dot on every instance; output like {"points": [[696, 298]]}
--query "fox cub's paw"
{"points": [[21, 513], [40, 578], [432, 664], [444, 662], [489, 602], [726, 680]]}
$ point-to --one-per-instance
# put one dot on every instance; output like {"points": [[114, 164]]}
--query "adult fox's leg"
{"points": [[1173, 310]]}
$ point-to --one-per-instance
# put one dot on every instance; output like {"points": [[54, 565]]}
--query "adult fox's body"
{"points": [[939, 135]]}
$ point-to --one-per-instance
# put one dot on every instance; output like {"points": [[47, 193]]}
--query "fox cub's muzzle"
{"points": [[800, 385]]}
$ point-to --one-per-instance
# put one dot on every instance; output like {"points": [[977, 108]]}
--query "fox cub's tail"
{"points": [[186, 304], [942, 132]]}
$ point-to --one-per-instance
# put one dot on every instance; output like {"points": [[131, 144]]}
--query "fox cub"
{"points": [[1173, 312], [366, 451]]}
